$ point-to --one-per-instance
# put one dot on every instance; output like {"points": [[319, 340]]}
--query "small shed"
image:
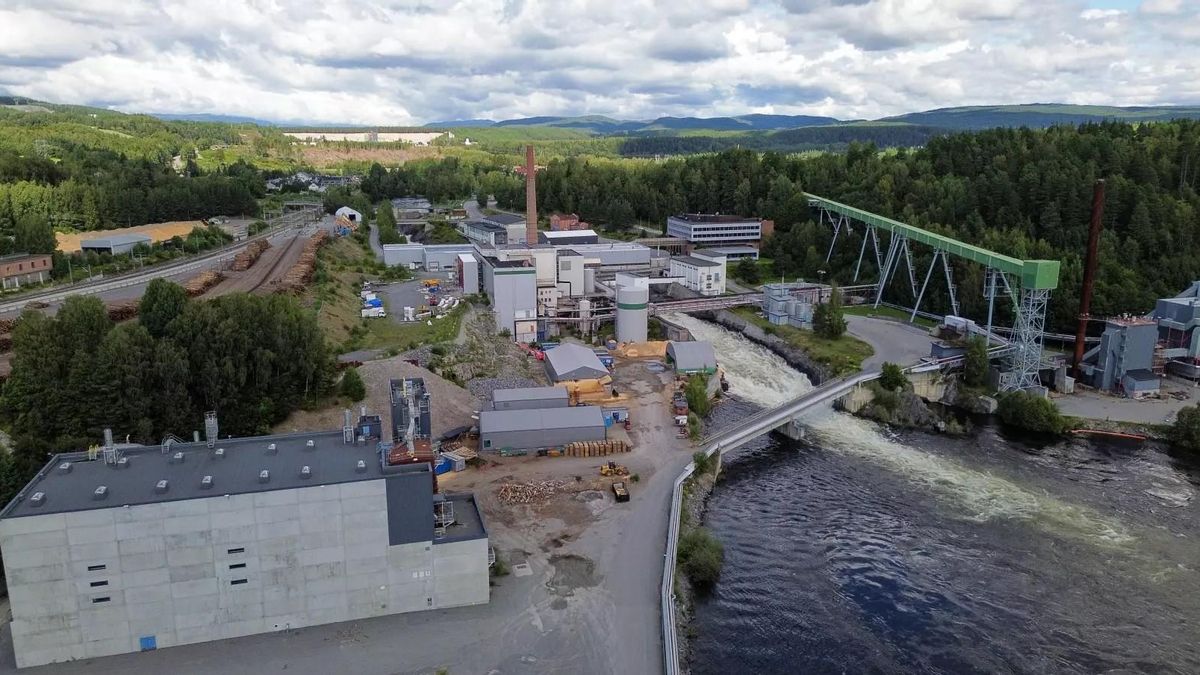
{"points": [[115, 244], [573, 362], [1140, 383], [692, 357], [349, 214]]}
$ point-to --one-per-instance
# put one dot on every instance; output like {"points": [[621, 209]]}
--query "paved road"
{"points": [[1095, 405], [893, 341]]}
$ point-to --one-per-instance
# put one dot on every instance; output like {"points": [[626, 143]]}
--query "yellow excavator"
{"points": [[613, 469]]}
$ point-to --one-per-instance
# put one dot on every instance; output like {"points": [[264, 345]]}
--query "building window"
{"points": [[96, 568], [487, 444], [98, 584], [237, 582], [237, 566], [233, 551], [103, 598]]}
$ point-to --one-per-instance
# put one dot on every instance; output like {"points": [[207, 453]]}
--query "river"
{"points": [[864, 550]]}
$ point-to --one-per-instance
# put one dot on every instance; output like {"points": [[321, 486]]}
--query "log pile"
{"points": [[123, 310], [7, 325], [249, 255], [530, 493], [200, 283], [298, 275], [595, 448]]}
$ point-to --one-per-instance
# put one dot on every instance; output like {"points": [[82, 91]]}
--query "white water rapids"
{"points": [[760, 376]]}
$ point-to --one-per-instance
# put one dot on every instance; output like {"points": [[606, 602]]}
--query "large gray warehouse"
{"points": [[540, 428], [151, 547]]}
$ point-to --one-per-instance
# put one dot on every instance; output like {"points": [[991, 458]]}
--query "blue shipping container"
{"points": [[444, 465], [373, 303]]}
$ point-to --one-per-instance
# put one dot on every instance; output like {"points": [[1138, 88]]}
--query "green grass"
{"points": [[888, 313], [842, 356]]}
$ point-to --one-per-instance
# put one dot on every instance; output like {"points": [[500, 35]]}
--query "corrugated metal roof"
{"points": [[568, 359], [116, 240], [695, 262], [535, 419], [529, 394], [694, 355]]}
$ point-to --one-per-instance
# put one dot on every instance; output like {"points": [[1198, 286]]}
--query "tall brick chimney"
{"points": [[531, 235]]}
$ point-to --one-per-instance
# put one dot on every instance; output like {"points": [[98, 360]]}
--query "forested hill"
{"points": [[68, 167], [1017, 191]]}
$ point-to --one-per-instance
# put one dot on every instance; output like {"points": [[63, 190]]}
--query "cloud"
{"points": [[408, 61]]}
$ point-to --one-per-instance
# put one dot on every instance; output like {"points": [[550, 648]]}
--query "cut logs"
{"points": [[298, 276], [249, 255]]}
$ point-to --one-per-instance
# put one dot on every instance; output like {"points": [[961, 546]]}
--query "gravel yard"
{"points": [[452, 405]]}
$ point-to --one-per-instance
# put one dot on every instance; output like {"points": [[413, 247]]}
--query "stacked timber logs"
{"points": [[300, 274], [122, 310], [200, 283], [595, 448], [249, 255]]}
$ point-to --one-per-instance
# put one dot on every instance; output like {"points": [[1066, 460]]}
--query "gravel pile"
{"points": [[422, 355], [482, 387]]}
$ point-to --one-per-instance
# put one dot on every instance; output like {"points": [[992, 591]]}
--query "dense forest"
{"points": [[76, 170], [830, 138], [1022, 192], [252, 359]]}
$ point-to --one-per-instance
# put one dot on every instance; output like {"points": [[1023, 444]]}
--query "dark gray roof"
{"points": [[696, 262], [529, 394], [484, 225], [1141, 375], [237, 472], [468, 519], [506, 218], [535, 419]]}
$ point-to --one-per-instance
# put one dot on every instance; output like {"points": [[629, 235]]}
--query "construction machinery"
{"points": [[619, 491], [613, 469]]}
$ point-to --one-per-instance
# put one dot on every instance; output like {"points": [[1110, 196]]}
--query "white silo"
{"points": [[633, 313]]}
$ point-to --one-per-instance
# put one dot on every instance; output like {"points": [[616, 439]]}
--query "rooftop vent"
{"points": [[123, 463], [271, 449], [305, 472], [65, 467], [100, 493], [309, 443], [37, 499], [206, 482], [177, 458], [219, 453], [360, 467], [264, 476], [160, 487]]}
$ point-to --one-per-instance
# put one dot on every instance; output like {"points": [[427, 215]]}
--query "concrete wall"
{"points": [[174, 570], [539, 438]]}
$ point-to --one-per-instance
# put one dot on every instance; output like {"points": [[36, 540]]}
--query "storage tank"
{"points": [[589, 280], [633, 312]]}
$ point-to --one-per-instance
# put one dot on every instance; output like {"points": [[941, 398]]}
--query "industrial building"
{"points": [[466, 267], [24, 268], [514, 226], [484, 233], [412, 414], [431, 258], [411, 208], [791, 304], [1178, 319], [569, 361], [703, 274], [113, 551], [115, 244], [692, 357], [718, 229], [568, 238], [527, 398], [729, 252], [349, 214], [1124, 362], [511, 285], [563, 222], [534, 428]]}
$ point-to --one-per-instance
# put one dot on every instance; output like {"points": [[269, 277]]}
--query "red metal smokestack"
{"points": [[531, 236], [1089, 274]]}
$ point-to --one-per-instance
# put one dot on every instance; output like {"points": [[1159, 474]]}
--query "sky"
{"points": [[409, 62]]}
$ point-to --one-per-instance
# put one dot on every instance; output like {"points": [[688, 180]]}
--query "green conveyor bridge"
{"points": [[1027, 282]]}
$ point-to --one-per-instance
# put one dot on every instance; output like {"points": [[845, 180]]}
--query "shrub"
{"points": [[1185, 433], [700, 557], [893, 378], [828, 321], [704, 463], [697, 395], [1028, 411], [975, 362], [352, 385]]}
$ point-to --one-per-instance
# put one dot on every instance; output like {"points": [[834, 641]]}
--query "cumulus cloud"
{"points": [[410, 61]]}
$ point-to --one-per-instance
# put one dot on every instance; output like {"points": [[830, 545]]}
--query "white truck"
{"points": [[374, 313]]}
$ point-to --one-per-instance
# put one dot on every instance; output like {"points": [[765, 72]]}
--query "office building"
{"points": [[703, 229]]}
